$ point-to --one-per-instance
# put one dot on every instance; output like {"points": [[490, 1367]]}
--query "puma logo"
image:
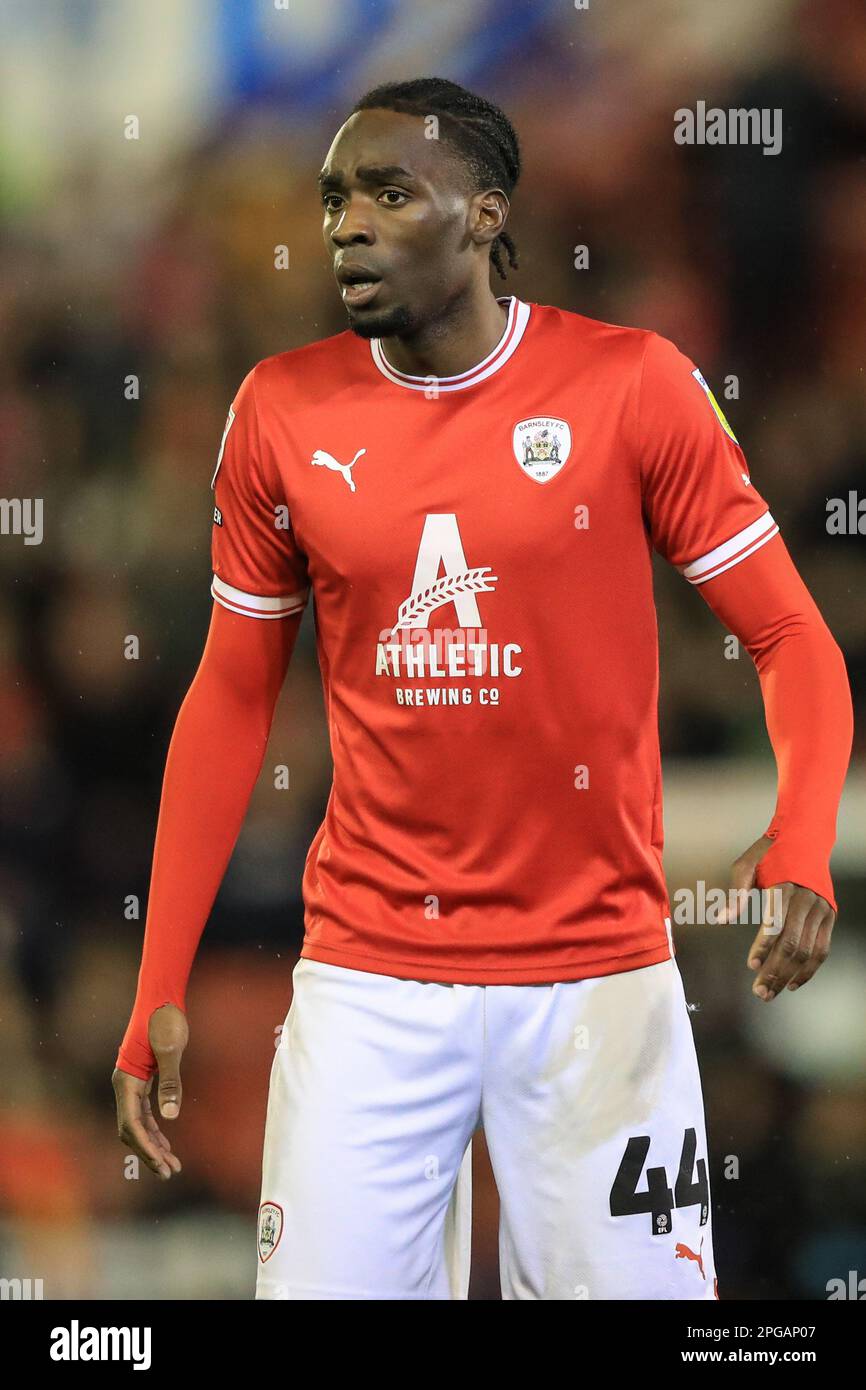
{"points": [[325, 460], [682, 1252]]}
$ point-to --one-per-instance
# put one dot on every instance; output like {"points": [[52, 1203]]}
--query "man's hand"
{"points": [[168, 1034], [794, 938]]}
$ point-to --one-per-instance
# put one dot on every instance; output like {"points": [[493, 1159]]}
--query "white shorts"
{"points": [[589, 1096]]}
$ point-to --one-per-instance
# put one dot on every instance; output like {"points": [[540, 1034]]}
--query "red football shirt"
{"points": [[478, 552]]}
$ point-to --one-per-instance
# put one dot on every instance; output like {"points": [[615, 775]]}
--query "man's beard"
{"points": [[390, 322]]}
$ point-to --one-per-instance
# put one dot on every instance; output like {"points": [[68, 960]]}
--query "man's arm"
{"points": [[809, 717], [707, 518], [213, 761], [260, 584], [214, 758]]}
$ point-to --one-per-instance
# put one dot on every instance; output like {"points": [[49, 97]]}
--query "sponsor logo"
{"points": [[683, 1252], [322, 459], [412, 649]]}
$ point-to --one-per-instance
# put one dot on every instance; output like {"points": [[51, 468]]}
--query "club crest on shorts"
{"points": [[270, 1229], [541, 446]]}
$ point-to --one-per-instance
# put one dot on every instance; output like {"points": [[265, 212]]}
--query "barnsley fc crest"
{"points": [[541, 446], [270, 1229]]}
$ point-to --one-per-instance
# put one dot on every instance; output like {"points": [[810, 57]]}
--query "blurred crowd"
{"points": [[132, 305]]}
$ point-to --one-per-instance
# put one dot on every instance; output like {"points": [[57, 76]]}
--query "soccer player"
{"points": [[470, 487]]}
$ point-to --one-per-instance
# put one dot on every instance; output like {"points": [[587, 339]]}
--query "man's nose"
{"points": [[352, 227]]}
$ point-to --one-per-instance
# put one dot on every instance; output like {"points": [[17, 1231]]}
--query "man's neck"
{"points": [[466, 332]]}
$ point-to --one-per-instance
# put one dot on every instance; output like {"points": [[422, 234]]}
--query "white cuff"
{"points": [[731, 552], [257, 605]]}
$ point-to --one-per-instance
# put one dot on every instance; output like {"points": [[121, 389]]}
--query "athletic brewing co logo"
{"points": [[541, 446], [411, 650], [270, 1229]]}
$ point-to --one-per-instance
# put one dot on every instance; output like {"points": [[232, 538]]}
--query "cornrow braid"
{"points": [[479, 133]]}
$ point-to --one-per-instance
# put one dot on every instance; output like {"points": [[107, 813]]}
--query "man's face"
{"points": [[398, 214]]}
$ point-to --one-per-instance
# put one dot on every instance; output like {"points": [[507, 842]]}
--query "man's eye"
{"points": [[332, 202]]}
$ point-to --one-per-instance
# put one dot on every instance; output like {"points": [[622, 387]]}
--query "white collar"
{"points": [[515, 326]]}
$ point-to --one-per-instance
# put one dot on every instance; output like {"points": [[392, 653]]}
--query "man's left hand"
{"points": [[794, 938]]}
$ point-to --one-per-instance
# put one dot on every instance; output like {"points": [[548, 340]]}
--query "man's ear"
{"points": [[489, 214]]}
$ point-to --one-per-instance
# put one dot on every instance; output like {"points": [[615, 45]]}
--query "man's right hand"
{"points": [[168, 1034]]}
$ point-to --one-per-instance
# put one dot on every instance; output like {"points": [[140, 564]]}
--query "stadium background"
{"points": [[155, 257]]}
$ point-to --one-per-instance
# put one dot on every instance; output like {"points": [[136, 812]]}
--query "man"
{"points": [[470, 487]]}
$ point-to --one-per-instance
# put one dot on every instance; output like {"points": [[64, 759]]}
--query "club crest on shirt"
{"points": [[541, 446], [270, 1229]]}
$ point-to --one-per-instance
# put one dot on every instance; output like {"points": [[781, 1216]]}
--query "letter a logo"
{"points": [[440, 546]]}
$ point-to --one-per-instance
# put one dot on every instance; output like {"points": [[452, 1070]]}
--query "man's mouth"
{"points": [[358, 285], [358, 292]]}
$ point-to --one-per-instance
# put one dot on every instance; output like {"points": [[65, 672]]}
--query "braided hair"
{"points": [[479, 133]]}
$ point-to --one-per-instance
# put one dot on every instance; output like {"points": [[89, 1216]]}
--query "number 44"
{"points": [[657, 1198]]}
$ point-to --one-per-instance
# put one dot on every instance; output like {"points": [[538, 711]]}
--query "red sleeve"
{"points": [[214, 759], [807, 705], [221, 733], [706, 517], [702, 509], [258, 568]]}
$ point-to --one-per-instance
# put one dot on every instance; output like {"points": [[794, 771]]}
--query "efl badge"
{"points": [[720, 416], [270, 1229], [541, 446], [229, 422]]}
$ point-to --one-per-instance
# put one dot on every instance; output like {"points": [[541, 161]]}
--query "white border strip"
{"points": [[229, 422], [731, 552], [257, 605], [670, 936]]}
